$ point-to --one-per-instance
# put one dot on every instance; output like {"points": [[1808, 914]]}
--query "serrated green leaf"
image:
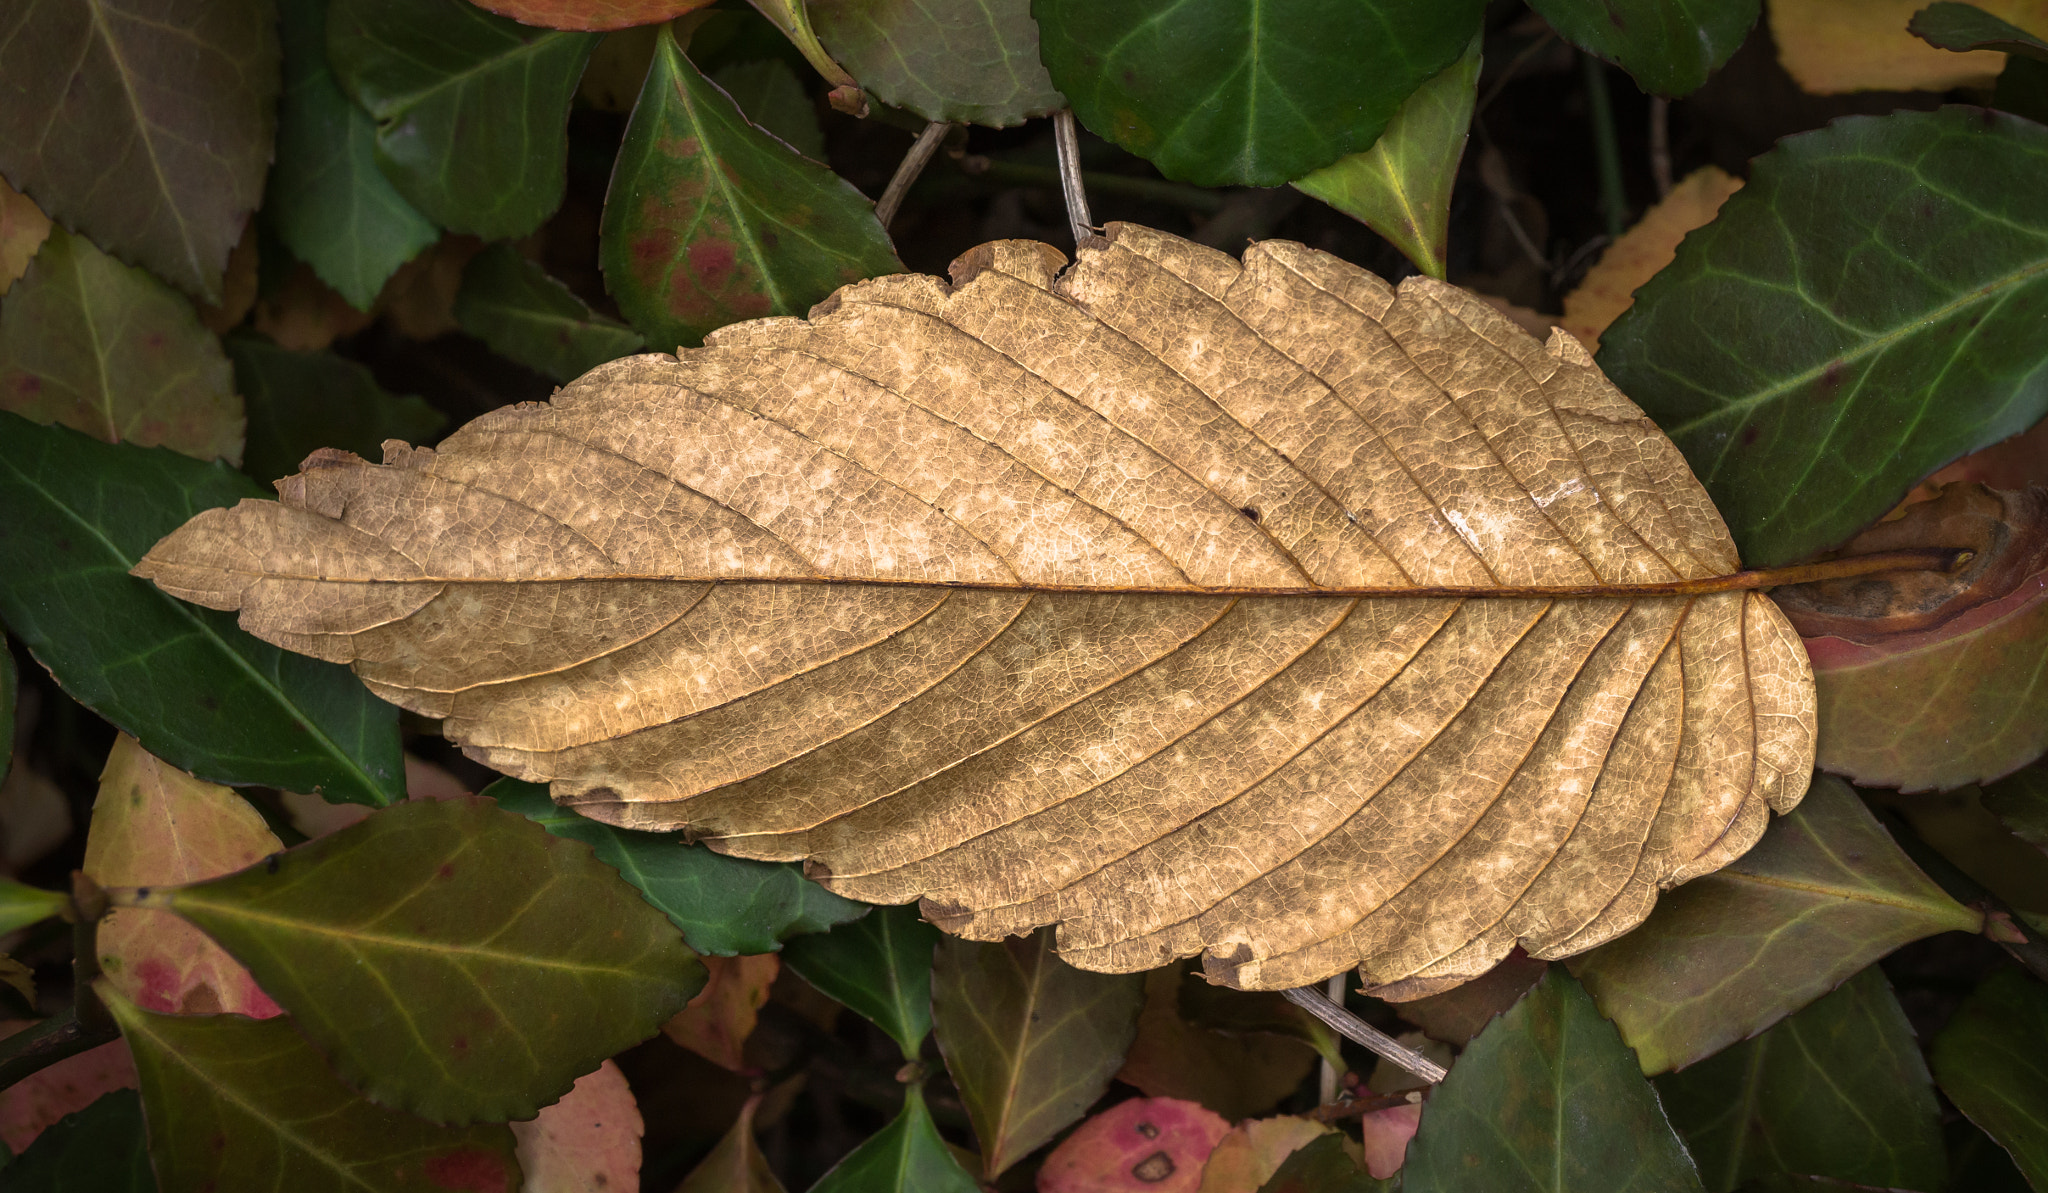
{"points": [[1401, 187], [511, 304], [1031, 1041], [1992, 1062], [100, 1149], [2020, 801], [1547, 1097], [145, 126], [1669, 46], [237, 1103], [451, 958], [22, 905], [880, 965], [1859, 314], [725, 906], [104, 348], [1825, 893], [80, 513], [970, 61], [709, 220], [1222, 93], [907, 1156], [327, 200], [769, 95], [472, 109], [302, 401], [1837, 1090], [1965, 27]]}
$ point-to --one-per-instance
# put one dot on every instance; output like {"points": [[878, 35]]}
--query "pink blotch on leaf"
{"points": [[1386, 1134], [1156, 1145], [469, 1171]]}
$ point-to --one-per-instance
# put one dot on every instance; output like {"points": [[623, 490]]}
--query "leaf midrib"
{"points": [[206, 631]]}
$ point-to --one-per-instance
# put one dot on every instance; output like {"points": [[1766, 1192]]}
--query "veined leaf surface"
{"points": [[1258, 609]]}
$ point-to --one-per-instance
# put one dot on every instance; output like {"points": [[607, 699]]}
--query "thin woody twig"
{"points": [[1351, 1027], [1067, 138], [913, 164], [1334, 991], [1334, 1112]]}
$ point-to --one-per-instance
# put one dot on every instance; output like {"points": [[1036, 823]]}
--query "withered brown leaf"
{"points": [[1177, 601]]}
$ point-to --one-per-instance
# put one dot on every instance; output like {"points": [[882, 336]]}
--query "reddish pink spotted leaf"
{"points": [[591, 14], [1156, 1145], [1386, 1134], [67, 1087], [155, 825], [589, 1142]]}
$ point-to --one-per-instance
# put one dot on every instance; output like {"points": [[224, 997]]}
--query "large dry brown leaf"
{"points": [[1016, 595]]}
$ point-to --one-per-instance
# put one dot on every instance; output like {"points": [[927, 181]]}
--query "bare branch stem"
{"points": [[1357, 1030], [913, 164], [1067, 138]]}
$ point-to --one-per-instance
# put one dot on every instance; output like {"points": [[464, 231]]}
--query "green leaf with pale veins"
{"points": [[100, 1149], [1669, 46], [1224, 93], [880, 965], [1992, 1062], [300, 402], [1401, 187], [1861, 313], [769, 94], [1031, 1041], [970, 61], [724, 905], [1548, 1098], [105, 348], [513, 305], [1838, 1090], [22, 905], [710, 221], [1965, 27], [472, 109], [907, 1156], [237, 1103], [80, 513], [451, 958], [327, 200], [1825, 893], [145, 125]]}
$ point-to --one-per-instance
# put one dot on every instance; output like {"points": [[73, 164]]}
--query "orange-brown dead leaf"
{"points": [[1194, 606], [1609, 288], [718, 1021]]}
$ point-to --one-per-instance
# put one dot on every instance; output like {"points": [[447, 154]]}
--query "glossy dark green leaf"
{"points": [[1548, 1098], [1031, 1041], [145, 126], [1976, 1164], [1963, 27], [237, 1103], [300, 402], [100, 1149], [1669, 46], [472, 109], [1825, 893], [907, 1156], [1838, 1090], [709, 220], [451, 958], [10, 685], [1859, 314], [22, 905], [1992, 1062], [2020, 801], [186, 682], [1223, 93], [972, 61], [723, 905], [1401, 187], [327, 200], [105, 348], [2022, 88], [1324, 1166], [769, 94], [513, 305], [880, 965]]}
